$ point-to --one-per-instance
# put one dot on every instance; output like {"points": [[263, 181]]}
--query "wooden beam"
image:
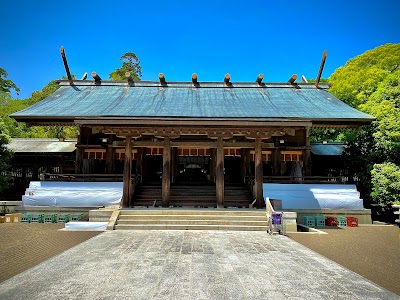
{"points": [[126, 196], [96, 77], [166, 177], [64, 58], [259, 174], [220, 173], [162, 78], [227, 78], [321, 68], [304, 79], [194, 78], [292, 79], [128, 77], [259, 78]]}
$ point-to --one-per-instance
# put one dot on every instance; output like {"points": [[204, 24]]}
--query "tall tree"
{"points": [[5, 156], [131, 64], [370, 82], [360, 76], [6, 85]]}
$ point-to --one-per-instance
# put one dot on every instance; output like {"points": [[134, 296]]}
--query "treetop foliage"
{"points": [[6, 85], [359, 78], [131, 64]]}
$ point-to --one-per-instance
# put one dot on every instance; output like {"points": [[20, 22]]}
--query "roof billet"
{"points": [[186, 84]]}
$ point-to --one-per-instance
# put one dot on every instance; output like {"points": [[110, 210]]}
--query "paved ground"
{"points": [[24, 246], [190, 265], [373, 251]]}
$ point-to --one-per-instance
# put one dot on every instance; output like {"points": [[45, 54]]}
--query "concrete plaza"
{"points": [[190, 265]]}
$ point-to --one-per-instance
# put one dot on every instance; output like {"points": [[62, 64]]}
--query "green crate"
{"points": [[63, 218], [76, 217], [342, 221], [309, 221], [37, 218], [50, 218], [319, 221], [26, 218]]}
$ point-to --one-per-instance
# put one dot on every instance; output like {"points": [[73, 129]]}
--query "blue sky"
{"points": [[178, 38]]}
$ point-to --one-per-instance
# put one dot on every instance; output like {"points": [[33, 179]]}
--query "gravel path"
{"points": [[23, 246], [371, 251]]}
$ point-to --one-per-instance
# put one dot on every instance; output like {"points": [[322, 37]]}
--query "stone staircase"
{"points": [[193, 196], [192, 219]]}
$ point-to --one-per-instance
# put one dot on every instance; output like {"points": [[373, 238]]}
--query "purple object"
{"points": [[276, 218]]}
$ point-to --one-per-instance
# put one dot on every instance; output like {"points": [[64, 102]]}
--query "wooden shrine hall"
{"points": [[206, 134]]}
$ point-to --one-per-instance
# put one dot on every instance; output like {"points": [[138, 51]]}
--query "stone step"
{"points": [[192, 217], [171, 211], [192, 222], [190, 227]]}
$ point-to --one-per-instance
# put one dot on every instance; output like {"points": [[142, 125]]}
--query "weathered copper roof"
{"points": [[244, 101], [42, 145], [331, 148]]}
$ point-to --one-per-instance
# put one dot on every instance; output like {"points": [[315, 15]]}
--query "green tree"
{"points": [[370, 82], [386, 185], [384, 104], [6, 85], [360, 77], [5, 156], [8, 105], [131, 64]]}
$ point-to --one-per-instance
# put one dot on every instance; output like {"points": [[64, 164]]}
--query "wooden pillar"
{"points": [[174, 164], [220, 172], [276, 161], [166, 177], [243, 163], [23, 174], [126, 197], [35, 173], [144, 168], [139, 161], [259, 174], [213, 166], [79, 153], [110, 157], [307, 153]]}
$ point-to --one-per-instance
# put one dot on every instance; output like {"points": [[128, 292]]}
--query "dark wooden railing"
{"points": [[89, 177], [249, 180], [304, 179]]}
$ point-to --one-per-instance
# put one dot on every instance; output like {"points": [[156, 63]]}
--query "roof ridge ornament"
{"points": [[259, 78], [321, 68], [64, 58], [227, 78], [96, 77], [128, 77], [292, 79], [162, 79]]}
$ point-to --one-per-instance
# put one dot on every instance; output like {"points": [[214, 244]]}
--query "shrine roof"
{"points": [[328, 149], [42, 145], [185, 100]]}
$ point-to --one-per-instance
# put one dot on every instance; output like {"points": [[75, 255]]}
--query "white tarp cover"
{"points": [[315, 196], [86, 225], [72, 194]]}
